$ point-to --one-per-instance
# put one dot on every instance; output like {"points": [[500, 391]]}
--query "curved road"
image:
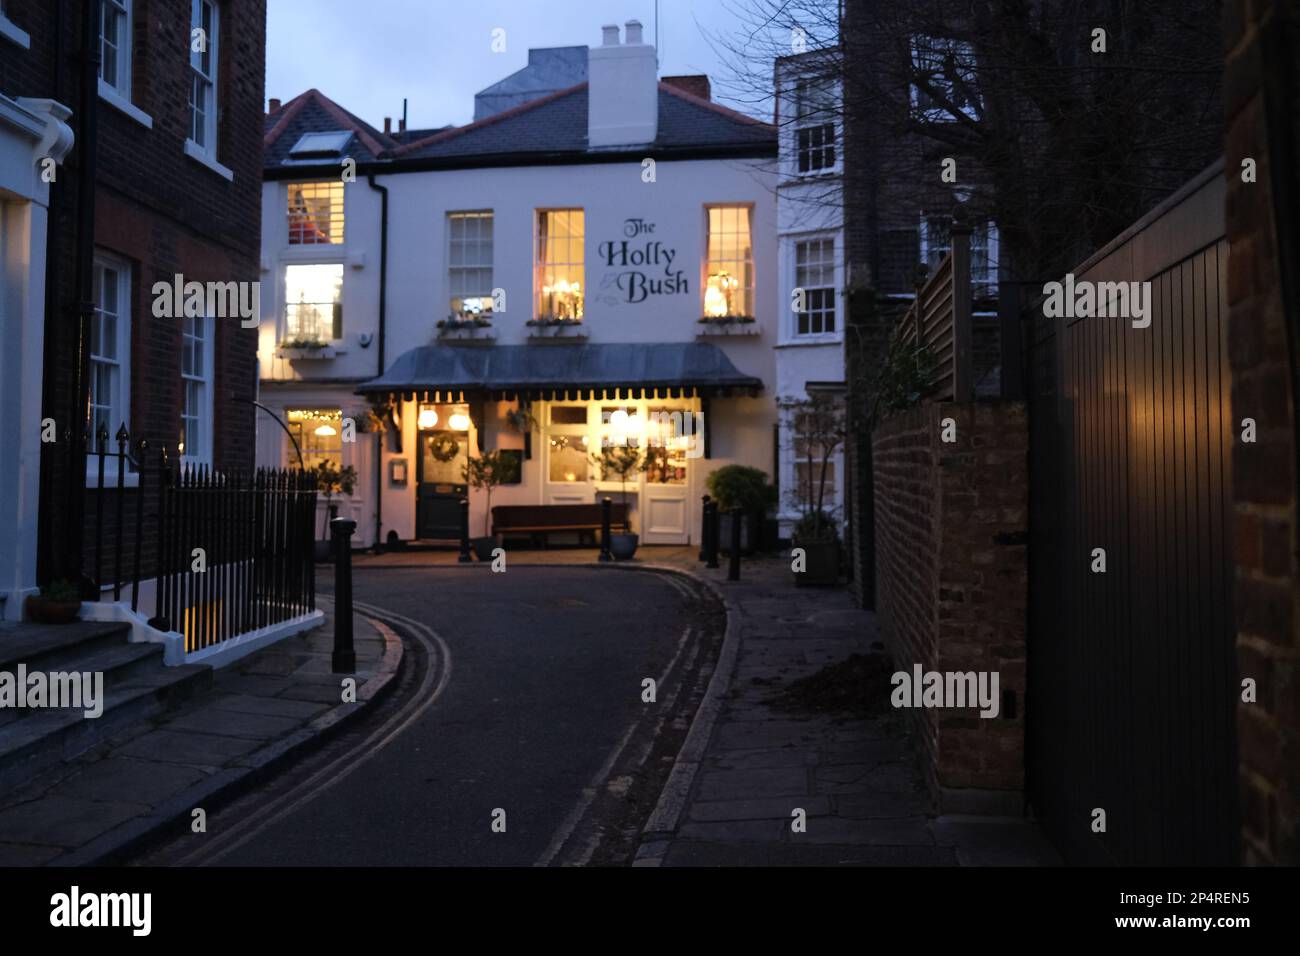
{"points": [[540, 699]]}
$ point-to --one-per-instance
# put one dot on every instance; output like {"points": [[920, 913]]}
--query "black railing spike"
{"points": [[101, 436], [123, 436]]}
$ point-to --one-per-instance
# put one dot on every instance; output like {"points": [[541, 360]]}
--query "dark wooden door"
{"points": [[440, 484]]}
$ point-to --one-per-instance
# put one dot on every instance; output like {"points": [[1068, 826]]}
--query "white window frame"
{"points": [[338, 217], [120, 81], [285, 266], [120, 407], [539, 266], [795, 241], [811, 122], [480, 214], [208, 148], [990, 228], [749, 290], [965, 52], [202, 454]]}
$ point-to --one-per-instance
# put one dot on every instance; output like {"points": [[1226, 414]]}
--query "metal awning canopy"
{"points": [[562, 372]]}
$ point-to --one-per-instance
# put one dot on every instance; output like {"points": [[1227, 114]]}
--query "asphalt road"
{"points": [[544, 688]]}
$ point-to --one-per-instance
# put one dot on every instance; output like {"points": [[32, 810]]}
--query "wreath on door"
{"points": [[444, 447]]}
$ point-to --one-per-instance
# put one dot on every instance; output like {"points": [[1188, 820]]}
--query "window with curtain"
{"points": [[729, 271], [560, 270], [469, 263]]}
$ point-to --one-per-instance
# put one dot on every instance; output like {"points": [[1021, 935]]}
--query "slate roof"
{"points": [[549, 70], [314, 112], [551, 128], [523, 368]]}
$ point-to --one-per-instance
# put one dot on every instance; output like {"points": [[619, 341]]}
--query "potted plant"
{"points": [[330, 481], [746, 488], [484, 473], [819, 432], [58, 603], [621, 462]]}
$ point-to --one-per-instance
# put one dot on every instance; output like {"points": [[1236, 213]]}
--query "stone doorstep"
{"points": [[156, 777]]}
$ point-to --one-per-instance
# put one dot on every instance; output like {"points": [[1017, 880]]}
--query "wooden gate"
{"points": [[1132, 674]]}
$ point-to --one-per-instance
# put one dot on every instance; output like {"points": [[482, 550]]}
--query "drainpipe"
{"points": [[86, 171], [383, 329]]}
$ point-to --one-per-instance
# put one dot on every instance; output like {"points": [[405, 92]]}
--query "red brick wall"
{"points": [[1267, 570], [951, 523], [157, 208]]}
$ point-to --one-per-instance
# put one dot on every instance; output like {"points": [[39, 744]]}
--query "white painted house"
{"points": [[600, 257], [810, 224], [34, 139]]}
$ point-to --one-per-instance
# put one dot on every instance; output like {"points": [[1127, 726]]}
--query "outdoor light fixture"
{"points": [[428, 418], [459, 422], [325, 431]]}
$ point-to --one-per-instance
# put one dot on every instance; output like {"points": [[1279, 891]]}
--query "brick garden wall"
{"points": [[1264, 476], [951, 529]]}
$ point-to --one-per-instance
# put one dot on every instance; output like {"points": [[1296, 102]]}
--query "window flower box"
{"points": [[466, 327], [728, 325], [556, 329], [298, 349]]}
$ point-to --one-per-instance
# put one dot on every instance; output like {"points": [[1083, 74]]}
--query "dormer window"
{"points": [[815, 125]]}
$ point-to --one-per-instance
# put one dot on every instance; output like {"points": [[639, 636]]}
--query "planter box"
{"points": [[298, 354], [565, 332], [822, 563], [715, 329], [471, 333]]}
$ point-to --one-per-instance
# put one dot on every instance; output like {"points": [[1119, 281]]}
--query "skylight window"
{"points": [[321, 145]]}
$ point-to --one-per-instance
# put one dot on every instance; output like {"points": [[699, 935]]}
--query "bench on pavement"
{"points": [[540, 521]]}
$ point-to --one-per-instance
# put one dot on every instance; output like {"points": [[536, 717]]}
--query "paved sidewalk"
{"points": [[255, 712], [738, 781], [857, 780]]}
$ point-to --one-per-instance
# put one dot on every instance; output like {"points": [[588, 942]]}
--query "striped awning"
{"points": [[563, 372]]}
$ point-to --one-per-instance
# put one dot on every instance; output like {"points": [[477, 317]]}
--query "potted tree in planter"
{"points": [[484, 473], [58, 603], [819, 432], [330, 481], [621, 462], [740, 486]]}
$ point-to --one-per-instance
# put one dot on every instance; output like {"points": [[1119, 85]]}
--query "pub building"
{"points": [[592, 265]]}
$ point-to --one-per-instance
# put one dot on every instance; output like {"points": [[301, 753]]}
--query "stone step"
{"points": [[137, 686], [48, 647]]}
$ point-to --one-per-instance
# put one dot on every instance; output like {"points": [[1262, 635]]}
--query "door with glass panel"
{"points": [[440, 483], [665, 511]]}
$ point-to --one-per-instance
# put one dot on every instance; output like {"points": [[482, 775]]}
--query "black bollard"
{"points": [[464, 532], [711, 532], [733, 569], [345, 656], [704, 530], [606, 507]]}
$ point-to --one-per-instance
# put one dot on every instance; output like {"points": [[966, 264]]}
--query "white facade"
{"points": [[34, 138], [810, 344], [644, 251]]}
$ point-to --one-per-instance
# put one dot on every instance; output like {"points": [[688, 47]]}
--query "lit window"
{"points": [[815, 125], [729, 286], [943, 79], [115, 44], [568, 444], [814, 273], [110, 345], [313, 296], [560, 275], [319, 433], [316, 214], [469, 257], [203, 69], [196, 384], [666, 449]]}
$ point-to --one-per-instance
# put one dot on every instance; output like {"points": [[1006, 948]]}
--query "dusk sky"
{"points": [[368, 56]]}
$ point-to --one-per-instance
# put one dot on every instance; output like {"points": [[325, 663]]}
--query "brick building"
{"points": [[168, 157]]}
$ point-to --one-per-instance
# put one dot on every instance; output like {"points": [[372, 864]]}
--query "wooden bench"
{"points": [[539, 521]]}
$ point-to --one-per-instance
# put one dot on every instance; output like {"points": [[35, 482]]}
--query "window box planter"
{"points": [[556, 329], [294, 351], [456, 328], [728, 325]]}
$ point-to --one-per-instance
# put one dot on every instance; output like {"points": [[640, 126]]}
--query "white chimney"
{"points": [[622, 90]]}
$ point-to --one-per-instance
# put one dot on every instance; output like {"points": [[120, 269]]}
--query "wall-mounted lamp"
{"points": [[428, 418], [459, 422]]}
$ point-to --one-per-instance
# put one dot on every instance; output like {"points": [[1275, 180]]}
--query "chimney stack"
{"points": [[622, 90], [275, 105], [401, 125], [388, 126]]}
